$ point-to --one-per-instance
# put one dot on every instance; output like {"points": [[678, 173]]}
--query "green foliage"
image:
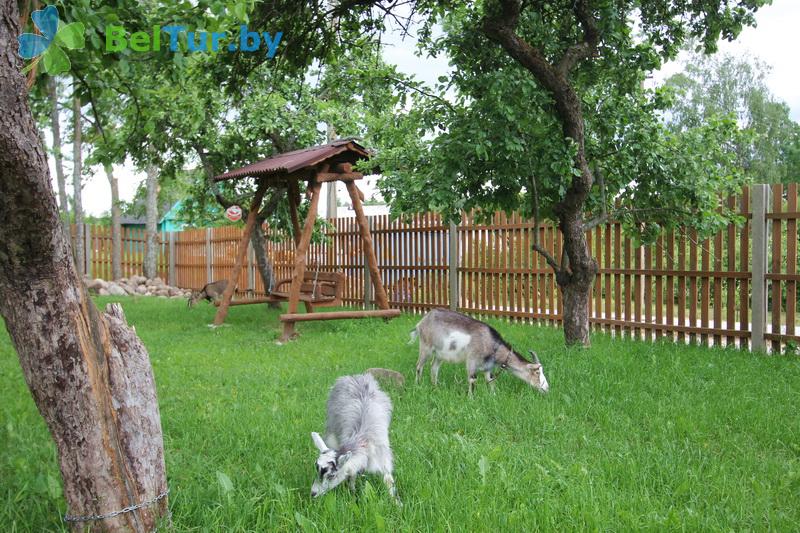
{"points": [[768, 148], [489, 136], [634, 436]]}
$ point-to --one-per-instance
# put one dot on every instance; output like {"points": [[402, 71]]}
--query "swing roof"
{"points": [[281, 165]]}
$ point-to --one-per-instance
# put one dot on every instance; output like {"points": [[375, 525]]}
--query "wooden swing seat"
{"points": [[321, 289]]}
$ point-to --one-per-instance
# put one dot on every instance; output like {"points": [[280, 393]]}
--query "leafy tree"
{"points": [[549, 117], [721, 85]]}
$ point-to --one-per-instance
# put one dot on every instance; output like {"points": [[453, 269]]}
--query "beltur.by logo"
{"points": [[196, 41]]}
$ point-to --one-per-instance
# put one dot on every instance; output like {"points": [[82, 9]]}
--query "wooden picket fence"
{"points": [[678, 288]]}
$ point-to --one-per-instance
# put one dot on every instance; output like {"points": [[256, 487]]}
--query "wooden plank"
{"points": [[290, 318], [669, 296], [705, 290], [731, 283], [607, 297], [777, 256], [598, 280], [693, 244], [638, 291], [659, 303], [718, 287], [791, 261], [744, 263], [628, 286], [647, 289], [617, 278]]}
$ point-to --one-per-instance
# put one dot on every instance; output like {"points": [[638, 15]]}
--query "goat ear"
{"points": [[343, 458], [535, 357], [318, 442]]}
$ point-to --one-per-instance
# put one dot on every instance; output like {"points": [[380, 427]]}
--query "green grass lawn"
{"points": [[632, 436]]}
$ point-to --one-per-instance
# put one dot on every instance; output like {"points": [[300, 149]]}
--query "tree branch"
{"points": [[584, 49], [536, 246]]}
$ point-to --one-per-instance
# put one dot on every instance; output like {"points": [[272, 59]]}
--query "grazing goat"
{"points": [[357, 435], [211, 292], [458, 338]]}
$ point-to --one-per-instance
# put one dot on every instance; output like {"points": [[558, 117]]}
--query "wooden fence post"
{"points": [[251, 278], [453, 262], [87, 249], [209, 257], [171, 275], [759, 254], [367, 275]]}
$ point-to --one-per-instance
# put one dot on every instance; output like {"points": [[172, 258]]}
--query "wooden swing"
{"points": [[317, 165]]}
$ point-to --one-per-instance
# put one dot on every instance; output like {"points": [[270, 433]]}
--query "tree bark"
{"points": [[55, 124], [77, 186], [116, 226], [577, 276], [88, 373], [151, 224], [258, 240]]}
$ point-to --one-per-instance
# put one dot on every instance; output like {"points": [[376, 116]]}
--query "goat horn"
{"points": [[318, 442], [535, 357]]}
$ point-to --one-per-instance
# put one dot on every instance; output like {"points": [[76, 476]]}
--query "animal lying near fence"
{"points": [[356, 435], [211, 292], [457, 338]]}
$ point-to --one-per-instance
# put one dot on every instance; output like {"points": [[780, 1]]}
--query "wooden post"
{"points": [[251, 260], [300, 259], [368, 296], [369, 251], [172, 275], [241, 252], [759, 254], [209, 254], [452, 262]]}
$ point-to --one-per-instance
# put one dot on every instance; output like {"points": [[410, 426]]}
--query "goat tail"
{"points": [[413, 335]]}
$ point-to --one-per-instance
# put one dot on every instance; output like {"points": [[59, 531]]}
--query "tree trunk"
{"points": [[116, 227], [60, 179], [88, 373], [77, 170], [151, 228], [258, 240], [576, 276]]}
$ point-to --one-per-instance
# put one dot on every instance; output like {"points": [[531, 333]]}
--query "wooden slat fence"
{"points": [[679, 288]]}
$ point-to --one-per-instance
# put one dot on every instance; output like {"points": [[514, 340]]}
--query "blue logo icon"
{"points": [[47, 46]]}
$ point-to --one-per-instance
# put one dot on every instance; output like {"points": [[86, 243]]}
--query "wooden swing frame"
{"points": [[325, 164]]}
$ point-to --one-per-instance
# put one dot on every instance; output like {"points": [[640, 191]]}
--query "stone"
{"points": [[103, 292], [116, 290]]}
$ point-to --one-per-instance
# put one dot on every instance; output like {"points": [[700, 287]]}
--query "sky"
{"points": [[768, 41]]}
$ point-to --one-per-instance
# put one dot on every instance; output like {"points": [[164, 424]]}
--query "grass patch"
{"points": [[633, 435]]}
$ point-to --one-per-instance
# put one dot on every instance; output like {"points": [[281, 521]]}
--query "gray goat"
{"points": [[211, 292], [356, 435], [457, 338]]}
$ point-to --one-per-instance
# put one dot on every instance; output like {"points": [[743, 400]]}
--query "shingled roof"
{"points": [[341, 151]]}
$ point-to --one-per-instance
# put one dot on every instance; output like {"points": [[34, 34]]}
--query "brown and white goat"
{"points": [[457, 338]]}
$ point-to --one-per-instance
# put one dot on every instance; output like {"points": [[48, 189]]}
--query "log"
{"points": [[340, 315], [369, 250], [300, 259], [241, 254]]}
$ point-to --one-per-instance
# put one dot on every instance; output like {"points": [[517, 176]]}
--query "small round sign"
{"points": [[233, 213]]}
